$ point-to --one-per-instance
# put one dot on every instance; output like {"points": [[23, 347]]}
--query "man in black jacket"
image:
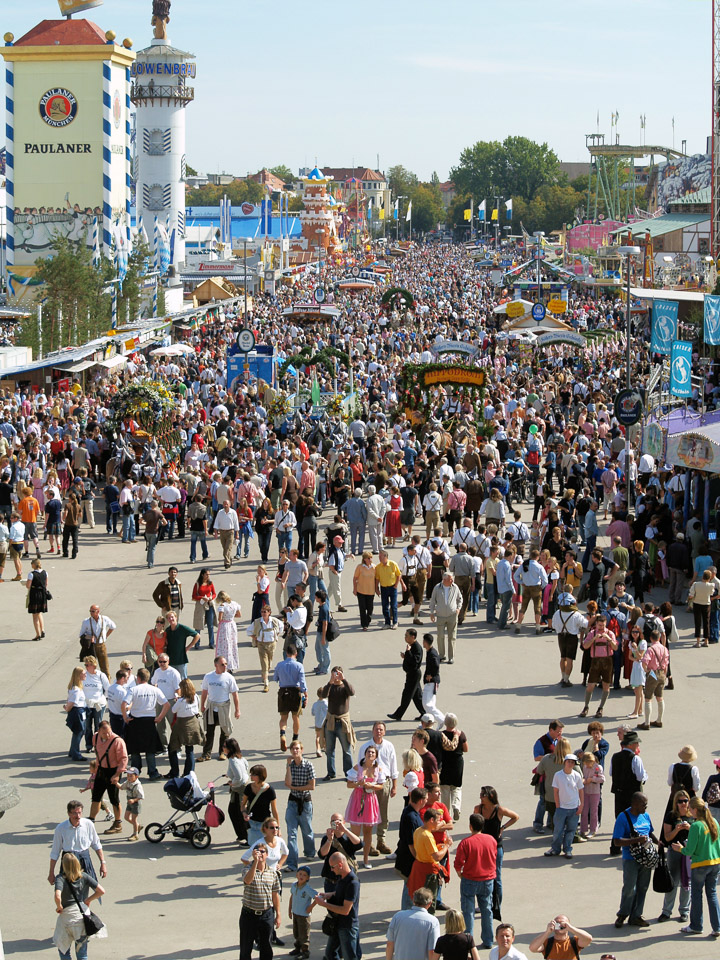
{"points": [[410, 820], [412, 664], [679, 566], [431, 679]]}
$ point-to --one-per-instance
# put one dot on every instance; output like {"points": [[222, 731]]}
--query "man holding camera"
{"points": [[552, 942]]}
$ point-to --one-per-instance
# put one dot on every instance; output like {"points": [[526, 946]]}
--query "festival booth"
{"points": [[691, 440]]}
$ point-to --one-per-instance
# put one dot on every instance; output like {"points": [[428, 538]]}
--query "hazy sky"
{"points": [[415, 81]]}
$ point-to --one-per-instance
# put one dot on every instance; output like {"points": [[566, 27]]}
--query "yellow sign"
{"points": [[515, 309], [557, 306], [459, 375]]}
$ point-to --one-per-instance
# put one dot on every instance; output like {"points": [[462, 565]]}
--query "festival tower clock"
{"points": [[67, 90]]}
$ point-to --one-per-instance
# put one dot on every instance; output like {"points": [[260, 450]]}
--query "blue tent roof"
{"points": [[241, 226], [316, 174]]}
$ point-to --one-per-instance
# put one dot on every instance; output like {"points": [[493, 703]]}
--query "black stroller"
{"points": [[181, 792]]}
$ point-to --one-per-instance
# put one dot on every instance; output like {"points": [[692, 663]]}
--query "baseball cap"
{"points": [[427, 718], [571, 756]]}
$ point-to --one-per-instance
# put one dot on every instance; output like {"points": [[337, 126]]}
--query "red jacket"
{"points": [[476, 857]]}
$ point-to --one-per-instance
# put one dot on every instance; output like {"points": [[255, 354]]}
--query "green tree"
{"points": [[401, 181], [239, 191], [295, 204], [190, 171], [435, 179], [517, 167], [283, 172], [427, 207], [455, 215]]}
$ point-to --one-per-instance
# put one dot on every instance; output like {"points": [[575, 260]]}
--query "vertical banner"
{"points": [[712, 320], [680, 369], [664, 325]]}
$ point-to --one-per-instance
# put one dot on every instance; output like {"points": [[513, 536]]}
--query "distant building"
{"points": [[447, 192], [221, 179], [267, 179], [575, 170]]}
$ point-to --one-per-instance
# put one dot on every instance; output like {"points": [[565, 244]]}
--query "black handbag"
{"points": [[329, 925], [644, 853], [662, 881], [93, 923]]}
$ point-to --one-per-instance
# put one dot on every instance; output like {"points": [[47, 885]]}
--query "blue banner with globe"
{"points": [[680, 369], [712, 320], [664, 325]]}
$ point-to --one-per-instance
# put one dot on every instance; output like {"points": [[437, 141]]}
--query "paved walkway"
{"points": [[170, 900]]}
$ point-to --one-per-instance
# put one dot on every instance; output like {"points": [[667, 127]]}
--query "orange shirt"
{"points": [[29, 509]]}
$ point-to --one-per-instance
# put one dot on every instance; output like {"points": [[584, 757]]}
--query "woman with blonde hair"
{"points": [[73, 887], [187, 730], [455, 943], [676, 827], [703, 848], [413, 773], [75, 709]]}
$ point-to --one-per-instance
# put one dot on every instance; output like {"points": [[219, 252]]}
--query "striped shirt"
{"points": [[300, 775], [257, 895]]}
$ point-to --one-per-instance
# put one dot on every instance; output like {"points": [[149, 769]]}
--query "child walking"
{"points": [[301, 896], [593, 779], [135, 794], [92, 767]]}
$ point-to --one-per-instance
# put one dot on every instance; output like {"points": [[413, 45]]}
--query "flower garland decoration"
{"points": [[151, 404]]}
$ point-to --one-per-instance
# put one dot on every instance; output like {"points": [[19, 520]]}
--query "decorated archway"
{"points": [[419, 380], [306, 357]]}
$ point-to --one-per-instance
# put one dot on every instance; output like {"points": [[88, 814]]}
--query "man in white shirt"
{"points": [[284, 524], [76, 835], [142, 719], [94, 632], [218, 688], [167, 679], [387, 759], [227, 527], [376, 510], [569, 793], [117, 693], [504, 939]]}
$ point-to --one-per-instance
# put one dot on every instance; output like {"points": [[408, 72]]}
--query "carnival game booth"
{"points": [[690, 439]]}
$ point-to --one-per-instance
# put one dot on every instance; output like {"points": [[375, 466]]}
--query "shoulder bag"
{"points": [[662, 881], [644, 853], [93, 923]]}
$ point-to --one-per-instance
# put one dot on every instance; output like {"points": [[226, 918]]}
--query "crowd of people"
{"points": [[462, 518]]}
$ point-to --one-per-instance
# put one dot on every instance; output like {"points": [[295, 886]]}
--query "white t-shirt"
{"points": [[95, 686], [116, 695], [143, 700], [181, 707], [568, 786], [275, 854], [168, 681], [76, 696], [219, 686]]}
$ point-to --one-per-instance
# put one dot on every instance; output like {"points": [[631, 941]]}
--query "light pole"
{"points": [[628, 252], [538, 234]]}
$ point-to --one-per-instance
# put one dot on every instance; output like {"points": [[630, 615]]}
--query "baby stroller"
{"points": [[186, 796]]}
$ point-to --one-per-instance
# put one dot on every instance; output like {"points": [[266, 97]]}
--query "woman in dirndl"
{"points": [[363, 810], [36, 584], [74, 887], [226, 642], [187, 730]]}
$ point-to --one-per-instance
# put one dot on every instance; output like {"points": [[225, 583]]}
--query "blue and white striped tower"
{"points": [[107, 158], [10, 160]]}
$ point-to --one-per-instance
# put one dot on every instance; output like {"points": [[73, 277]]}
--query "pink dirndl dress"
{"points": [[363, 806], [226, 644]]}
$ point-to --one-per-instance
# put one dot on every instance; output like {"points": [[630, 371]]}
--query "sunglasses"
{"points": [[276, 827], [683, 801]]}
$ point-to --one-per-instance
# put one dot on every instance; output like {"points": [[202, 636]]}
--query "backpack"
{"points": [[533, 458], [651, 623], [550, 943], [614, 624], [713, 794], [332, 631]]}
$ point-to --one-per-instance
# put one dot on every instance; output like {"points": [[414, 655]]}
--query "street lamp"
{"points": [[628, 252], [539, 234]]}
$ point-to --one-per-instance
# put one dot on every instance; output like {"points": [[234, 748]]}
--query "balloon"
{"points": [[533, 428]]}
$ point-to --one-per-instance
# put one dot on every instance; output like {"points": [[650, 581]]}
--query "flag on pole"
{"points": [[467, 214], [494, 214], [408, 215], [396, 210], [163, 252], [121, 252], [481, 211], [381, 211], [370, 209], [508, 209]]}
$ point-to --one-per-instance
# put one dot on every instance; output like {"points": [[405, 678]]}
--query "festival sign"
{"points": [[653, 442], [664, 325], [712, 320], [515, 309], [569, 337], [628, 407], [680, 369], [694, 451], [462, 376], [455, 346], [556, 305]]}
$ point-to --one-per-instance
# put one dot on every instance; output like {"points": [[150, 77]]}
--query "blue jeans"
{"points": [[93, 719], [357, 537], [244, 536], [715, 622], [81, 948], [255, 833], [293, 820], [128, 528], [589, 547], [74, 751], [405, 900], [674, 862], [480, 891], [388, 595], [285, 540], [197, 536], [491, 594], [136, 761], [498, 873], [704, 878], [636, 880], [151, 540], [168, 530], [331, 737], [566, 821], [210, 624], [315, 584], [505, 601], [111, 520], [322, 653], [345, 942], [540, 811]]}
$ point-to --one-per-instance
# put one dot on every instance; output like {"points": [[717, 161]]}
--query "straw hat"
{"points": [[688, 754]]}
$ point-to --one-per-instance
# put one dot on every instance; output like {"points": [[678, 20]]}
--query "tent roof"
{"points": [[659, 226], [64, 33]]}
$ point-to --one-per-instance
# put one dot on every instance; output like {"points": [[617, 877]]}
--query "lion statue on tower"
{"points": [[160, 18]]}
